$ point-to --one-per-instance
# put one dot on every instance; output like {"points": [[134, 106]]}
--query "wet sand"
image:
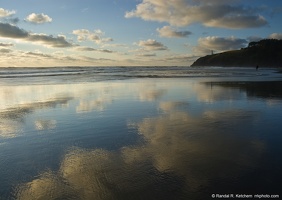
{"points": [[153, 138]]}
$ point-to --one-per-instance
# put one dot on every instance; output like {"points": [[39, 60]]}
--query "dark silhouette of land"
{"points": [[264, 53], [261, 89]]}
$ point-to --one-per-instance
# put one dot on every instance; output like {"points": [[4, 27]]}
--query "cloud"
{"points": [[92, 60], [151, 45], [254, 38], [277, 36], [221, 43], [14, 32], [146, 54], [238, 22], [95, 36], [11, 31], [38, 54], [6, 44], [224, 14], [6, 13], [48, 40], [93, 49], [5, 50], [12, 20], [38, 18], [36, 58], [169, 32], [180, 58]]}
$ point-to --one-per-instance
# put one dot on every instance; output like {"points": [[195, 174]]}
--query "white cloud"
{"points": [[277, 36], [38, 18], [151, 45], [81, 34], [221, 43], [182, 13], [6, 13], [95, 36], [169, 32], [7, 16]]}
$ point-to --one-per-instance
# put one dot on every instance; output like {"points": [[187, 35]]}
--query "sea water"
{"points": [[139, 132]]}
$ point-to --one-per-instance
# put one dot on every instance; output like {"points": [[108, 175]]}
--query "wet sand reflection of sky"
{"points": [[178, 153], [193, 151], [13, 118]]}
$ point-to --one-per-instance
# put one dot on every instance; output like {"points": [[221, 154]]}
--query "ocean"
{"points": [[94, 74], [140, 133]]}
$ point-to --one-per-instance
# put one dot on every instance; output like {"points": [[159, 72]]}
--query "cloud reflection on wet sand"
{"points": [[262, 89], [211, 93], [167, 106], [98, 104], [192, 151], [19, 101], [179, 155], [12, 118], [45, 124], [198, 149], [151, 94], [91, 174]]}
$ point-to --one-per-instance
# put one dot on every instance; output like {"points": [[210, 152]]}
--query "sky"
{"points": [[41, 33]]}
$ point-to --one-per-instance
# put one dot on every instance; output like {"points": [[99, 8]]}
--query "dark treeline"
{"points": [[264, 53]]}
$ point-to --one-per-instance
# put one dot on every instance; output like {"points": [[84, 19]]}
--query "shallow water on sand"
{"points": [[141, 138]]}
